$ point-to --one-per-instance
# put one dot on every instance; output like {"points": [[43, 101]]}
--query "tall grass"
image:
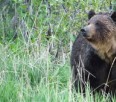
{"points": [[38, 70], [36, 76]]}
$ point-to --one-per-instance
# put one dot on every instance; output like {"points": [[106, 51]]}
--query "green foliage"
{"points": [[114, 5], [38, 69]]}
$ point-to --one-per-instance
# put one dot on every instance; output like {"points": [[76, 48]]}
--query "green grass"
{"points": [[39, 70], [29, 76]]}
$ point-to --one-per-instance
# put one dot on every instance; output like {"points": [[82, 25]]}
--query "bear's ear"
{"points": [[91, 14], [113, 16]]}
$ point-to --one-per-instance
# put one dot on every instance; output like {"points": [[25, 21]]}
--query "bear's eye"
{"points": [[97, 23], [88, 23]]}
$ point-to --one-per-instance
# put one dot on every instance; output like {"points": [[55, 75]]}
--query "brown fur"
{"points": [[93, 52], [102, 36]]}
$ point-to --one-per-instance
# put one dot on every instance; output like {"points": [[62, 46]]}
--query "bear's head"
{"points": [[100, 32]]}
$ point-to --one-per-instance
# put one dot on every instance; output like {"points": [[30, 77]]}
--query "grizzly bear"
{"points": [[93, 54]]}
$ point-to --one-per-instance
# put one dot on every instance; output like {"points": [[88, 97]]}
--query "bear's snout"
{"points": [[84, 32]]}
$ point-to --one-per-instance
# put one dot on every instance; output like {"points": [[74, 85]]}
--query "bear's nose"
{"points": [[83, 30]]}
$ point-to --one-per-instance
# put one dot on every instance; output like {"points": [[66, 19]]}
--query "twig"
{"points": [[106, 84]]}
